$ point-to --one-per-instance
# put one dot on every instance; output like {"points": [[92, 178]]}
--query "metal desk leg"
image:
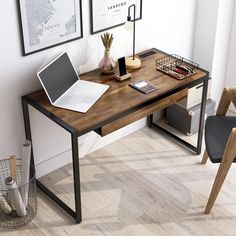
{"points": [[26, 118], [197, 149], [75, 160], [202, 117], [76, 175], [149, 120]]}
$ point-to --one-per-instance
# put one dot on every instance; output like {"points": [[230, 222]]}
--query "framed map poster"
{"points": [[107, 14], [48, 23]]}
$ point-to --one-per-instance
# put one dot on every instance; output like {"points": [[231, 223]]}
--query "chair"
{"points": [[220, 138]]}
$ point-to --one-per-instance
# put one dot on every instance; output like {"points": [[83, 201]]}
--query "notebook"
{"points": [[64, 87], [143, 86]]}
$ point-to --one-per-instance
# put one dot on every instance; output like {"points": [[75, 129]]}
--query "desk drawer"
{"points": [[115, 125]]}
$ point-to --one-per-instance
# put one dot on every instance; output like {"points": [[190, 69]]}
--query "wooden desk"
{"points": [[119, 106]]}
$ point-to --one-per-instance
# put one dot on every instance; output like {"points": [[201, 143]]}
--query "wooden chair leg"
{"points": [[227, 159], [204, 158], [219, 180]]}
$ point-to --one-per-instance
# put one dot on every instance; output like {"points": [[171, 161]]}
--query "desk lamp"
{"points": [[132, 62]]}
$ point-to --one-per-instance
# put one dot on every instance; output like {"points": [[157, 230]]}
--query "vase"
{"points": [[107, 64]]}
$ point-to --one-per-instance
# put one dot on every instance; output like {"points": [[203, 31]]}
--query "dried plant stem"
{"points": [[107, 40]]}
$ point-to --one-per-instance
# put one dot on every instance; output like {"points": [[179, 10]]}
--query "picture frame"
{"points": [[46, 24], [108, 14]]}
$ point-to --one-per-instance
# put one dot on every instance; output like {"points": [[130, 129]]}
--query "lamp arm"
{"points": [[133, 5], [129, 18]]}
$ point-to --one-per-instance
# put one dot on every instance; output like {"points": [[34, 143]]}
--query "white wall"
{"points": [[167, 25], [211, 41], [221, 49], [231, 68], [205, 31]]}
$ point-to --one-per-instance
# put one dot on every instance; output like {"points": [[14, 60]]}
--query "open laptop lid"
{"points": [[58, 76]]}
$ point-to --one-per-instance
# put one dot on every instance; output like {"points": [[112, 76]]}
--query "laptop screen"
{"points": [[58, 76]]}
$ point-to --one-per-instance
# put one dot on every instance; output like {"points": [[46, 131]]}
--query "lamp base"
{"points": [[132, 64]]}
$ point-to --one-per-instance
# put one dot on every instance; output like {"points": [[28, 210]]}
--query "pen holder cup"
{"points": [[18, 204]]}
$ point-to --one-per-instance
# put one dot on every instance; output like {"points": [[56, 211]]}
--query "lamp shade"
{"points": [[128, 25]]}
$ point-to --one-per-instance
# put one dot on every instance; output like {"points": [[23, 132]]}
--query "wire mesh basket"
{"points": [[24, 207], [176, 66]]}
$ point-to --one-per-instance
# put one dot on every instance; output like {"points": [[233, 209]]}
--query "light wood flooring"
{"points": [[141, 185]]}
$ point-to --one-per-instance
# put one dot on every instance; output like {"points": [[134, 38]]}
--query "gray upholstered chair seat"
{"points": [[217, 131]]}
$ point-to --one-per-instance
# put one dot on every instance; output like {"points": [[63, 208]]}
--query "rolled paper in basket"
{"points": [[4, 205], [25, 167], [13, 172], [15, 197]]}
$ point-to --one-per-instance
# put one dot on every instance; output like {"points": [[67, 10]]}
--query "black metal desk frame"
{"points": [[77, 214]]}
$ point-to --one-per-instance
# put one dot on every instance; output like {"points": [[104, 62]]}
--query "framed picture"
{"points": [[107, 14], [46, 24]]}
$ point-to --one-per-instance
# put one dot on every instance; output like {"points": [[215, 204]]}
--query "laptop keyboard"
{"points": [[68, 100], [75, 100], [81, 96]]}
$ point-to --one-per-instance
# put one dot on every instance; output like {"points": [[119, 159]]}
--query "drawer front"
{"points": [[144, 112]]}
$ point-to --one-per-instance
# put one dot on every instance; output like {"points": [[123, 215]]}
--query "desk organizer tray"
{"points": [[176, 66]]}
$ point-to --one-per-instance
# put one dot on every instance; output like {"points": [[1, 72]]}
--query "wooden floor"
{"points": [[141, 185]]}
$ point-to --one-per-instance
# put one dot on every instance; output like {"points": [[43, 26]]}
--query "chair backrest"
{"points": [[228, 96]]}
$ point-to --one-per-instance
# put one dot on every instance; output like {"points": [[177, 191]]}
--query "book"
{"points": [[143, 86]]}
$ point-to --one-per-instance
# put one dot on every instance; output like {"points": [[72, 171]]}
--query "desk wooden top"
{"points": [[118, 99]]}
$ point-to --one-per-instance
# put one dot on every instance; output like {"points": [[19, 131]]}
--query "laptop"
{"points": [[64, 87]]}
